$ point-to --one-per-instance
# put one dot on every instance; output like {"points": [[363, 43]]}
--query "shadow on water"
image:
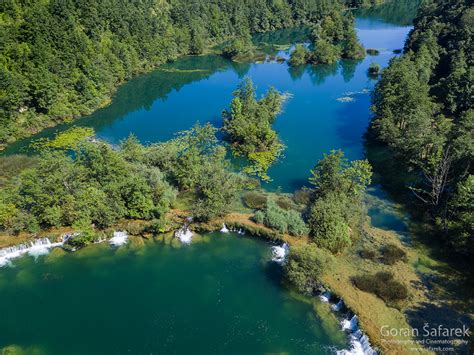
{"points": [[351, 127], [400, 12], [319, 73], [141, 93]]}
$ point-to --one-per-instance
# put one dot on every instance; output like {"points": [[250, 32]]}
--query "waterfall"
{"points": [[359, 342], [360, 345], [224, 228], [350, 324], [325, 296], [119, 238], [34, 248], [337, 306], [279, 254], [240, 231], [184, 234]]}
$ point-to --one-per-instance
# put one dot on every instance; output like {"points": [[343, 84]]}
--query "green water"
{"points": [[219, 296]]}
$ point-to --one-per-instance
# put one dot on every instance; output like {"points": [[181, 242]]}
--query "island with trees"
{"points": [[61, 60]]}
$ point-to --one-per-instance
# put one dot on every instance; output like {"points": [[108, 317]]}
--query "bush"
{"points": [[391, 254], [275, 217], [238, 46], [368, 254], [328, 226], [283, 221], [383, 285], [299, 56], [374, 69], [254, 200], [296, 225], [302, 196], [259, 217], [284, 203], [305, 266], [372, 51]]}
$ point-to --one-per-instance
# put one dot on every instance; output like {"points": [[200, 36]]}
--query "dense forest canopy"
{"points": [[423, 109], [63, 59]]}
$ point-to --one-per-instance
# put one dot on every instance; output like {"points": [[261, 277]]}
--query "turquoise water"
{"points": [[157, 105], [222, 295]]}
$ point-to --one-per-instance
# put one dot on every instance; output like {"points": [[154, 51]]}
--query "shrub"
{"points": [[374, 69], [383, 285], [254, 200], [391, 254], [305, 266], [284, 203], [281, 220], [259, 217], [328, 226], [302, 196], [296, 225], [372, 51], [368, 254], [275, 217], [299, 56]]}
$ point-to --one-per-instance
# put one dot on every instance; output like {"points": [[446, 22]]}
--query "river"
{"points": [[221, 294]]}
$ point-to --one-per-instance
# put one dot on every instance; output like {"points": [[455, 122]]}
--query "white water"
{"points": [[360, 344], [325, 296], [350, 324], [118, 239], [224, 228], [279, 254], [34, 248], [184, 235], [337, 306]]}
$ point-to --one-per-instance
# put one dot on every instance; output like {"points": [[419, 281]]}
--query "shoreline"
{"points": [[337, 281]]}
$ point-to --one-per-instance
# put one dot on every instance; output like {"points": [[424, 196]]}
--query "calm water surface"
{"points": [[222, 295]]}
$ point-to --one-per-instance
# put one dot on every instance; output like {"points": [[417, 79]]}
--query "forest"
{"points": [[423, 114], [63, 59]]}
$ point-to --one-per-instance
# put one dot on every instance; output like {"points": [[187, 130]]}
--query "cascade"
{"points": [[119, 238], [279, 254]]}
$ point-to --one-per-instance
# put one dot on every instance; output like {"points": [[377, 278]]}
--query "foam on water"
{"points": [[119, 238], [337, 306], [350, 324], [359, 342], [280, 253], [224, 228], [34, 248], [184, 235], [325, 296]]}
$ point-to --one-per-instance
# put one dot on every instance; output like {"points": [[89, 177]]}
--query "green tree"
{"points": [[299, 56]]}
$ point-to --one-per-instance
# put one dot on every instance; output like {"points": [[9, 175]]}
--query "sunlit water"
{"points": [[220, 296], [225, 295]]}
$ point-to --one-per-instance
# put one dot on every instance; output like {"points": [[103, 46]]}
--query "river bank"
{"points": [[336, 278]]}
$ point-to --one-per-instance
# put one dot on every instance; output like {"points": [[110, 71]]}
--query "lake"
{"points": [[223, 294]]}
